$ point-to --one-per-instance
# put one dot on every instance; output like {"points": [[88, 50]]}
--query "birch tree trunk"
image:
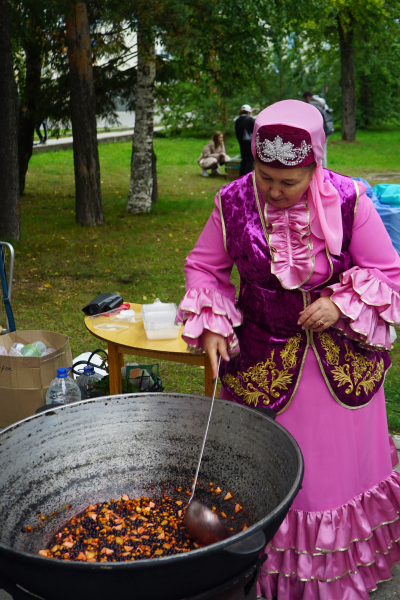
{"points": [[10, 221], [141, 184], [88, 204], [154, 192], [348, 83]]}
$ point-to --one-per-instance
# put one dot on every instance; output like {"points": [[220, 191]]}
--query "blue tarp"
{"points": [[386, 199]]}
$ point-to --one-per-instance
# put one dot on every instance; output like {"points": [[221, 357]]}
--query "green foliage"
{"points": [[218, 55]]}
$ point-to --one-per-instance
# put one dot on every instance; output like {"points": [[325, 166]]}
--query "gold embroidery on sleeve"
{"points": [[269, 380], [365, 373]]}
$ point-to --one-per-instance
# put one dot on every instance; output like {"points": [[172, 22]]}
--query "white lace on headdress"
{"points": [[286, 153]]}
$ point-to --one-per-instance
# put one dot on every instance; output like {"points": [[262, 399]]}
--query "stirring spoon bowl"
{"points": [[202, 524]]}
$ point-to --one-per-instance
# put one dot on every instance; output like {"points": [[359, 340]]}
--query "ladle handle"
{"points": [[205, 433]]}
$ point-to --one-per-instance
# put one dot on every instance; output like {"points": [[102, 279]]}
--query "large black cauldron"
{"points": [[98, 449]]}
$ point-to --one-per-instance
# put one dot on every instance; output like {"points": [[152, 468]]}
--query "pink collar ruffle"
{"points": [[290, 243]]}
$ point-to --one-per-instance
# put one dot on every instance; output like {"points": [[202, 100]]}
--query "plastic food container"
{"points": [[158, 307], [115, 320], [159, 320]]}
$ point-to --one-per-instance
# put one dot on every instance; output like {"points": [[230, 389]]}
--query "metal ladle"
{"points": [[203, 525]]}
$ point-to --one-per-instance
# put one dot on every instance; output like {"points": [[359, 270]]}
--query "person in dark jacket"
{"points": [[244, 126], [325, 111]]}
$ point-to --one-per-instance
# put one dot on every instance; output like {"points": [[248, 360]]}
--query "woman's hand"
{"points": [[320, 315], [213, 343]]}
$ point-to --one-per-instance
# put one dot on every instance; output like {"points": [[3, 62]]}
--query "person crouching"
{"points": [[213, 155]]}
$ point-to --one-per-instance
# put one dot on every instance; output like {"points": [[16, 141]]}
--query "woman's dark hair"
{"points": [[311, 167], [215, 138]]}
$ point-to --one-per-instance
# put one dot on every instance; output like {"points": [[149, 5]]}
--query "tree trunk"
{"points": [[154, 193], [10, 221], [348, 83], [141, 185], [88, 205], [27, 114]]}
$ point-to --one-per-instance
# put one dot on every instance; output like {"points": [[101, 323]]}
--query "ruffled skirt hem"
{"points": [[339, 554]]}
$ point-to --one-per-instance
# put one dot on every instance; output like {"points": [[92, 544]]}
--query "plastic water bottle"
{"points": [[63, 389], [87, 383], [40, 347], [29, 350]]}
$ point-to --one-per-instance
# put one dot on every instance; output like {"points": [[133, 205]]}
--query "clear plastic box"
{"points": [[159, 320], [115, 320], [158, 307], [161, 331]]}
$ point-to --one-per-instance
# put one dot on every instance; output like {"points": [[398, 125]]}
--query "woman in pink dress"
{"points": [[308, 337]]}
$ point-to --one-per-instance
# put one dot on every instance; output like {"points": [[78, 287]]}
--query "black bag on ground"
{"points": [[103, 303]]}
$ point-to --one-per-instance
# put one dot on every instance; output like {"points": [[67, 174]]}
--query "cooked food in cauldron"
{"points": [[131, 529]]}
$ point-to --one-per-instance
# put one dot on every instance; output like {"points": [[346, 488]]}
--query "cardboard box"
{"points": [[24, 380]]}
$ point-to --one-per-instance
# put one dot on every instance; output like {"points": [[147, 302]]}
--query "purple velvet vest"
{"points": [[272, 346]]}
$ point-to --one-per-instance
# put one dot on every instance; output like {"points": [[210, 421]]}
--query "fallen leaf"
{"points": [[144, 297], [47, 285]]}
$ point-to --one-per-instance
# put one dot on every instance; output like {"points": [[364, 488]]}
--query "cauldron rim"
{"points": [[187, 556]]}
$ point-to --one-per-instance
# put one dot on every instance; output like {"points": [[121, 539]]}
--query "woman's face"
{"points": [[282, 187], [220, 139]]}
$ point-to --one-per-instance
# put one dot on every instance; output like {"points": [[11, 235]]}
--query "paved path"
{"points": [[65, 143]]}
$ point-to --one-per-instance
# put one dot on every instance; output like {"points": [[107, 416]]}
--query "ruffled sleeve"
{"points": [[209, 302], [203, 309], [368, 293], [368, 306]]}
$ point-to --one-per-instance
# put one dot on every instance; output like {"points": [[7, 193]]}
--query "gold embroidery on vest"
{"points": [[266, 376], [365, 374], [331, 349]]}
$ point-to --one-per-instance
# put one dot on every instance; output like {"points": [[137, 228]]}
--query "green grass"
{"points": [[60, 266], [375, 151]]}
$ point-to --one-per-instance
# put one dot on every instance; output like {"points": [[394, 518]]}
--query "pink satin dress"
{"points": [[342, 534]]}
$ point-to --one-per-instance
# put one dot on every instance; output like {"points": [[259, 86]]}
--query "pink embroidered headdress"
{"points": [[290, 134]]}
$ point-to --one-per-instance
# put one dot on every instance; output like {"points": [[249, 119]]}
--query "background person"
{"points": [[213, 155], [244, 126], [38, 125], [308, 337], [325, 111]]}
